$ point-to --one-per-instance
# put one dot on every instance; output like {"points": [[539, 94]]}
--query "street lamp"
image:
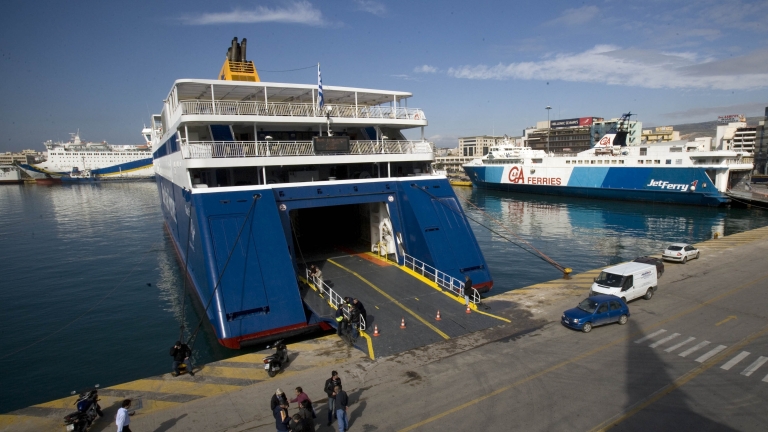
{"points": [[548, 127]]}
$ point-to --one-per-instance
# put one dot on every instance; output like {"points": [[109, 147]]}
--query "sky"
{"points": [[474, 67]]}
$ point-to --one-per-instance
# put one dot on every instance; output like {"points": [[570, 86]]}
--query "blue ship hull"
{"points": [[613, 183], [258, 297]]}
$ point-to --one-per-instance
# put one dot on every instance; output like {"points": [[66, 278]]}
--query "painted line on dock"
{"points": [[393, 300]]}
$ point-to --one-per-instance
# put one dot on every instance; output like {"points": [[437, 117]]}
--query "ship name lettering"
{"points": [[551, 181], [663, 184]]}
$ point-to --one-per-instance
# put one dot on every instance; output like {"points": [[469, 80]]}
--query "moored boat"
{"points": [[256, 179], [678, 172], [10, 174]]}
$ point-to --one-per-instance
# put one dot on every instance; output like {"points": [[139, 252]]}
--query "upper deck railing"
{"points": [[203, 107], [240, 149]]}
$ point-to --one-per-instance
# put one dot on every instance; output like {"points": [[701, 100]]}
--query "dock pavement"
{"points": [[529, 374]]}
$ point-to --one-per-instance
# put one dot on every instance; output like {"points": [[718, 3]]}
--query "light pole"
{"points": [[548, 127]]}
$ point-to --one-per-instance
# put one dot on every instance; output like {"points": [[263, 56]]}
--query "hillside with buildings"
{"points": [[691, 131]]}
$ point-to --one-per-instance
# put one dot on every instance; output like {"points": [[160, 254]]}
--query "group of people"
{"points": [[304, 419], [348, 317]]}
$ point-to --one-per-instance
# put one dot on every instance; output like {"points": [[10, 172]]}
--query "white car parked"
{"points": [[680, 252]]}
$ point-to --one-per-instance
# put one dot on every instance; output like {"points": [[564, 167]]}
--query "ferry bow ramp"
{"points": [[392, 295]]}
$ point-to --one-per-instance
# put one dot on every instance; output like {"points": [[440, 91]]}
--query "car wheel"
{"points": [[587, 328], [685, 259], [697, 255], [648, 294], [659, 273], [624, 299], [623, 319]]}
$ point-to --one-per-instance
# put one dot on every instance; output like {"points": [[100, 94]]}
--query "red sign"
{"points": [[585, 121], [516, 175]]}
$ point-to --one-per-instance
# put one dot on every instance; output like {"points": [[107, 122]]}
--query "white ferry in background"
{"points": [[257, 179], [78, 160], [677, 172], [10, 174]]}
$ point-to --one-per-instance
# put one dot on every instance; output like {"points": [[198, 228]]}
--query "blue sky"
{"points": [[477, 67]]}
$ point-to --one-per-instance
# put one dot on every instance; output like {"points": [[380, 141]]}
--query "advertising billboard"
{"points": [[728, 118], [583, 121]]}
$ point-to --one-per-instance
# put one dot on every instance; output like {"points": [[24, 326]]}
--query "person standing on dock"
{"points": [[123, 418], [316, 274], [330, 385], [181, 354], [342, 401], [279, 398], [282, 419]]}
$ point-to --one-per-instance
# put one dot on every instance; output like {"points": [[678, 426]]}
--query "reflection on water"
{"points": [[587, 234]]}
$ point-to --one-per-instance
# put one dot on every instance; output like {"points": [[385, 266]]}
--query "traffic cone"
{"points": [[438, 316], [468, 309], [402, 324], [375, 330]]}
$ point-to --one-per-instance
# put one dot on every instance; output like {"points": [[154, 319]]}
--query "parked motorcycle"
{"points": [[275, 362], [88, 410]]}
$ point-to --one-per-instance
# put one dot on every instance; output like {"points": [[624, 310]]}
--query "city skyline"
{"points": [[475, 69]]}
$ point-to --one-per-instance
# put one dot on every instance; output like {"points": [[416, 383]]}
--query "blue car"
{"points": [[594, 311]]}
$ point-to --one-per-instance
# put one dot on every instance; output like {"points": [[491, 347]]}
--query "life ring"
{"points": [[416, 116]]}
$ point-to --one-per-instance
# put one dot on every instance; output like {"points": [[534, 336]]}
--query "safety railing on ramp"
{"points": [[442, 279], [335, 300]]}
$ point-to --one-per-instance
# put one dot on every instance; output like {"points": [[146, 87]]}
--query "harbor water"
{"points": [[92, 291]]}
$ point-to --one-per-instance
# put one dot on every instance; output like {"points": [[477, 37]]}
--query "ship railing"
{"points": [[289, 109], [332, 296], [442, 279], [240, 149]]}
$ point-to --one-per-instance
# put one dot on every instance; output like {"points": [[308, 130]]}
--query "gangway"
{"points": [[392, 295]]}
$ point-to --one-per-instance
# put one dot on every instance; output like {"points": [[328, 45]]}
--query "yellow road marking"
{"points": [[582, 356], [674, 385], [247, 358], [7, 420], [370, 344], [177, 387], [253, 374], [730, 317], [392, 299], [417, 299]]}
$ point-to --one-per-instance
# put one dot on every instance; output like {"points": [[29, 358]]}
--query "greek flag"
{"points": [[320, 99]]}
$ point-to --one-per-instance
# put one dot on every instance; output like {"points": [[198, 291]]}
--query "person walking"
{"points": [[181, 354], [329, 389], [342, 401], [123, 418]]}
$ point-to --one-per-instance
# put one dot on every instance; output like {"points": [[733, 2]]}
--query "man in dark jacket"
{"points": [[359, 306], [342, 401], [181, 354], [330, 384], [279, 398]]}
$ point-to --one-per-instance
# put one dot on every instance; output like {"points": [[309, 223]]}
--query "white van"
{"points": [[628, 281]]}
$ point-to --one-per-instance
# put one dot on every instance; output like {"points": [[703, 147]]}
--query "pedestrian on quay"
{"points": [[342, 402], [301, 398], [341, 320], [359, 306], [282, 419], [279, 398], [181, 353], [329, 389], [123, 418], [307, 412], [300, 424]]}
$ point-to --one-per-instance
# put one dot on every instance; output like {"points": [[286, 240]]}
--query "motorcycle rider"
{"points": [[181, 354]]}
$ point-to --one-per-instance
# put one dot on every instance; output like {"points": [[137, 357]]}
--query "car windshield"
{"points": [[588, 305], [609, 279], [675, 248]]}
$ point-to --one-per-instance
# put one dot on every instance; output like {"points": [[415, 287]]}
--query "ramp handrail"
{"points": [[442, 279], [333, 297]]}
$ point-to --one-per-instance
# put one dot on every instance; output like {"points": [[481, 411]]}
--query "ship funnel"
{"points": [[236, 67]]}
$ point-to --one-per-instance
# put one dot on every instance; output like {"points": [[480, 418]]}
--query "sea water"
{"points": [[92, 293]]}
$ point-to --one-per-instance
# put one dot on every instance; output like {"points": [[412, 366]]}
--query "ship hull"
{"points": [[250, 293], [685, 185]]}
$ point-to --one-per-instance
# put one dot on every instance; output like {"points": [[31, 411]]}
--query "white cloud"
{"points": [[371, 6], [575, 17], [301, 12], [633, 67], [425, 69]]}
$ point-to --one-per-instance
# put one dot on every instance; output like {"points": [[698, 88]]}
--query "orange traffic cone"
{"points": [[375, 330], [402, 324], [438, 316], [468, 309]]}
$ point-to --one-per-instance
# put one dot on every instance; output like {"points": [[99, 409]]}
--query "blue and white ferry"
{"points": [[256, 177], [678, 172]]}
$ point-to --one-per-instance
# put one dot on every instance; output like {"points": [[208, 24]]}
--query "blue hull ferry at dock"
{"points": [[258, 179], [675, 172]]}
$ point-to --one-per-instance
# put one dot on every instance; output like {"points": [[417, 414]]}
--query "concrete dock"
{"points": [[529, 374]]}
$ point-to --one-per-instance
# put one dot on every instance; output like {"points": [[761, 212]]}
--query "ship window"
{"points": [[613, 161], [592, 162], [657, 162], [678, 161], [669, 162], [643, 151], [640, 162], [567, 161], [535, 160]]}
